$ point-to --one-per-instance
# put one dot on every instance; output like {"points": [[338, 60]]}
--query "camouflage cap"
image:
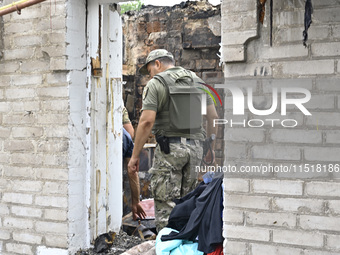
{"points": [[153, 55]]}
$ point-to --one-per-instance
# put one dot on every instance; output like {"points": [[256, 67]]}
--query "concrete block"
{"points": [[333, 241], [245, 135], [58, 64], [54, 214], [19, 93], [327, 15], [57, 9], [34, 12], [319, 102], [58, 23], [234, 21], [17, 198], [236, 185], [26, 211], [4, 235], [260, 249], [26, 237], [55, 37], [275, 152], [18, 54], [4, 107], [4, 209], [240, 6], [322, 189], [53, 240], [328, 84], [26, 185], [333, 136], [237, 37], [17, 223], [51, 227], [56, 78], [235, 248], [51, 201], [55, 92], [281, 187], [294, 237], [53, 118], [22, 172], [18, 145], [10, 67], [296, 136], [247, 233], [282, 52], [300, 205], [289, 18], [57, 132], [55, 50], [26, 40], [322, 154], [29, 66], [323, 119], [54, 188], [325, 49], [4, 132], [31, 79], [18, 27], [246, 201], [53, 146], [27, 132], [52, 174], [334, 206], [235, 70], [271, 219], [233, 216], [325, 3], [26, 158], [19, 248], [325, 223], [237, 151], [56, 160], [311, 67], [291, 34], [233, 53], [28, 107]]}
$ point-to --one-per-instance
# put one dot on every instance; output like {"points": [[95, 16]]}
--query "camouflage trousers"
{"points": [[173, 176]]}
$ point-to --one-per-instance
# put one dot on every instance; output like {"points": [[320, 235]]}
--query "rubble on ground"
{"points": [[121, 243]]}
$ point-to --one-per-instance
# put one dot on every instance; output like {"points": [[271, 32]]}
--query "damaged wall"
{"points": [[42, 118], [281, 212], [191, 31]]}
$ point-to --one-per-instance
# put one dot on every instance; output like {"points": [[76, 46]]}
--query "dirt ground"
{"points": [[121, 243]]}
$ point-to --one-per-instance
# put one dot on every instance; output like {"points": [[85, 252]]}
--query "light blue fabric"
{"points": [[176, 246], [208, 176]]}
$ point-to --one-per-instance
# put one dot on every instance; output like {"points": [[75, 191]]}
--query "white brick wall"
{"points": [[281, 213], [34, 118]]}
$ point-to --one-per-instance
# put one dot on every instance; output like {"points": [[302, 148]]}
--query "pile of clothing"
{"points": [[195, 223]]}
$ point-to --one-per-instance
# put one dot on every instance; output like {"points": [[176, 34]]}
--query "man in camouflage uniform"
{"points": [[173, 173]]}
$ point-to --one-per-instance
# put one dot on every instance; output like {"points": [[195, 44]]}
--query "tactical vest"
{"points": [[182, 114]]}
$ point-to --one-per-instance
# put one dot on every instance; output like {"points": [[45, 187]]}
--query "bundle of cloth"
{"points": [[195, 224]]}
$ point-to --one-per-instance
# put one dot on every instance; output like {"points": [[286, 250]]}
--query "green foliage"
{"points": [[131, 6]]}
